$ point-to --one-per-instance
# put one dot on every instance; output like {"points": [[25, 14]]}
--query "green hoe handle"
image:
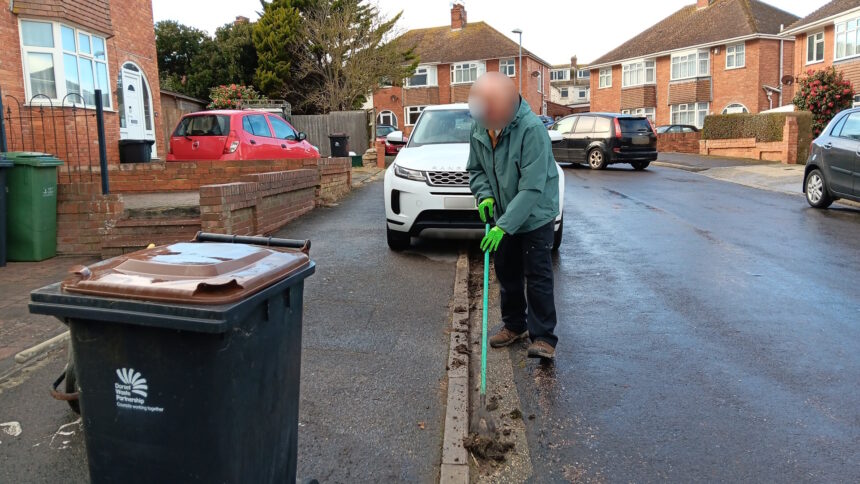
{"points": [[484, 318]]}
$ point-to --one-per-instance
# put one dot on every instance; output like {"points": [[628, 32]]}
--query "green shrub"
{"points": [[824, 93], [764, 128]]}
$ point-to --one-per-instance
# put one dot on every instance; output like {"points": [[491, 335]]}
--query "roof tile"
{"points": [[827, 10], [475, 41]]}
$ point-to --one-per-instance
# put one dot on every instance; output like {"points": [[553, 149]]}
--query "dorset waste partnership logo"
{"points": [[132, 390]]}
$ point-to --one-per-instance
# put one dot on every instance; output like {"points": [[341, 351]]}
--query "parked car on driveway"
{"points": [[601, 139], [382, 132], [427, 187], [237, 135], [677, 128], [833, 168]]}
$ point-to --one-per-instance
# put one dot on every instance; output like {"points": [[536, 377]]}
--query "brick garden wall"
{"points": [[678, 142], [785, 151], [84, 216]]}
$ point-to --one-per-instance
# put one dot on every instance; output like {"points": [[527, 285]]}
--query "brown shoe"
{"points": [[541, 349], [506, 337]]}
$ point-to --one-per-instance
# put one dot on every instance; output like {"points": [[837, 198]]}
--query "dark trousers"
{"points": [[524, 269]]}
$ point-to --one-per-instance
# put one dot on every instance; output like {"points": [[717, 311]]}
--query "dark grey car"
{"points": [[833, 168]]}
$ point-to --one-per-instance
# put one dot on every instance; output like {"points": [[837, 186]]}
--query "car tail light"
{"points": [[617, 128], [232, 143], [651, 123]]}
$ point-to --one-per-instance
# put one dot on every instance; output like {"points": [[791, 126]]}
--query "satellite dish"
{"points": [[788, 79]]}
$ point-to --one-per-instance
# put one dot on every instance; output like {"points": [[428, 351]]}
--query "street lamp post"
{"points": [[520, 68]]}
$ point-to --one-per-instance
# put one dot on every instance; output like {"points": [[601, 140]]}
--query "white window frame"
{"points": [[638, 73], [563, 91], [463, 67], [386, 112], [508, 67], [683, 112], [429, 71], [815, 38], [582, 94], [650, 113], [583, 74], [564, 75], [850, 29], [604, 78], [734, 108], [412, 110], [700, 59], [57, 52], [733, 52], [540, 81]]}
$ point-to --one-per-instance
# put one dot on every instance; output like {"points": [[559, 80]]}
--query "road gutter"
{"points": [[455, 466]]}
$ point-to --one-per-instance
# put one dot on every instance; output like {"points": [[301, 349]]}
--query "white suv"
{"points": [[427, 187]]}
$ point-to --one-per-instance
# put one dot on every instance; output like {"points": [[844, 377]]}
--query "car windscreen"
{"points": [[203, 125], [384, 130], [633, 125], [442, 127]]}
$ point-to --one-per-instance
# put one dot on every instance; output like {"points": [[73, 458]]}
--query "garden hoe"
{"points": [[483, 423]]}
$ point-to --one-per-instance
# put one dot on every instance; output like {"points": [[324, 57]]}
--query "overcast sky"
{"points": [[554, 30]]}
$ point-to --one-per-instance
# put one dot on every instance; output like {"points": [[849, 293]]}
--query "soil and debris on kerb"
{"points": [[487, 448]]}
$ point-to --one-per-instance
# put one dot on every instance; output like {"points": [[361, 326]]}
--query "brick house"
{"points": [[827, 37], [711, 57], [58, 52], [451, 58], [570, 85]]}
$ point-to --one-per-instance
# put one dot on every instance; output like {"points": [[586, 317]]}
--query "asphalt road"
{"points": [[373, 362], [708, 332]]}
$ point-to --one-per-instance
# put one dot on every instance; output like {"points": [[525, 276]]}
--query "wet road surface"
{"points": [[708, 331]]}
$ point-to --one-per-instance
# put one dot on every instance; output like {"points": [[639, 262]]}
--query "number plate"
{"points": [[462, 203], [641, 140]]}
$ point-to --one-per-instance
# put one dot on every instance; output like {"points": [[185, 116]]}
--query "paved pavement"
{"points": [[708, 332], [373, 365], [694, 162]]}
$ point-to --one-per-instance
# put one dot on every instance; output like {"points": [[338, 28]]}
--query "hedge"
{"points": [[764, 128]]}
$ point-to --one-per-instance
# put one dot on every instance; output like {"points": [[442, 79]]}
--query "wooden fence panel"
{"points": [[318, 126]]}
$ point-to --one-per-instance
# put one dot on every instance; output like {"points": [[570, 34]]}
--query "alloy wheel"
{"points": [[814, 188]]}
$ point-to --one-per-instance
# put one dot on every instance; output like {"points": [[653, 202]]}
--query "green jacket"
{"points": [[520, 173]]}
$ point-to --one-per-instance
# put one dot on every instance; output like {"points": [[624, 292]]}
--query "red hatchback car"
{"points": [[237, 135]]}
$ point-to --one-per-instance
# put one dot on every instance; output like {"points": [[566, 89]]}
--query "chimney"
{"points": [[458, 16], [573, 63], [700, 4], [241, 20]]}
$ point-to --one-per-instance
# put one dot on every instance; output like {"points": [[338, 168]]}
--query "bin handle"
{"points": [[59, 395], [303, 245]]}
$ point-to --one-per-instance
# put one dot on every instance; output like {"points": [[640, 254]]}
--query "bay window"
{"points": [[690, 113], [847, 38], [814, 47], [466, 72], [60, 60], [691, 64], [735, 56], [637, 73], [605, 77]]}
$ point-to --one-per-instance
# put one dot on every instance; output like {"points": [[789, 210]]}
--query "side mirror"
{"points": [[554, 136], [395, 137], [301, 136]]}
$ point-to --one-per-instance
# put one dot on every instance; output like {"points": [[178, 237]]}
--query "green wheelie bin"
{"points": [[31, 206], [4, 168]]}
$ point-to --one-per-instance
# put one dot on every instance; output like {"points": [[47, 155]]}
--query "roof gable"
{"points": [[828, 10], [475, 41], [689, 26]]}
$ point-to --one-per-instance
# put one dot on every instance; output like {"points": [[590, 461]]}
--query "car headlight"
{"points": [[416, 175]]}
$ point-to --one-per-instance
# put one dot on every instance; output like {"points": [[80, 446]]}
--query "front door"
{"points": [[841, 153], [132, 105], [581, 138]]}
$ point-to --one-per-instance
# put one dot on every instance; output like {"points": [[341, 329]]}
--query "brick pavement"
{"points": [[18, 328]]}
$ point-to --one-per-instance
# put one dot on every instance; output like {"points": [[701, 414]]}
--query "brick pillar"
{"points": [[380, 154], [789, 139]]}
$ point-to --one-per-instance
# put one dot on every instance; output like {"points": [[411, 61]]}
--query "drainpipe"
{"points": [[781, 42]]}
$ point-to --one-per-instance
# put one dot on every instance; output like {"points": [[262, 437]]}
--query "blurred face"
{"points": [[493, 100]]}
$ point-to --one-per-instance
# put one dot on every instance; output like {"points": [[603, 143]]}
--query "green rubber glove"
{"points": [[486, 204], [492, 239]]}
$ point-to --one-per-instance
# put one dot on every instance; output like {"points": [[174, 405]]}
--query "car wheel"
{"points": [[816, 190], [640, 165], [596, 159], [397, 240], [556, 240]]}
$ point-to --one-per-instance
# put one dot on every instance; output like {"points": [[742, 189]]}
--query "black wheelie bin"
{"points": [[187, 359]]}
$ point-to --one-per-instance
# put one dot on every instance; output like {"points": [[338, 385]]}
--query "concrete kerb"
{"points": [[455, 466], [41, 348], [694, 169]]}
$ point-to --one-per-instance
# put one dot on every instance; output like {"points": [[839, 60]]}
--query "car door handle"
{"points": [[828, 146], [283, 145], [253, 142]]}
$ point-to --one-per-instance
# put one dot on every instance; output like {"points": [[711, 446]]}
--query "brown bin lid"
{"points": [[188, 273]]}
